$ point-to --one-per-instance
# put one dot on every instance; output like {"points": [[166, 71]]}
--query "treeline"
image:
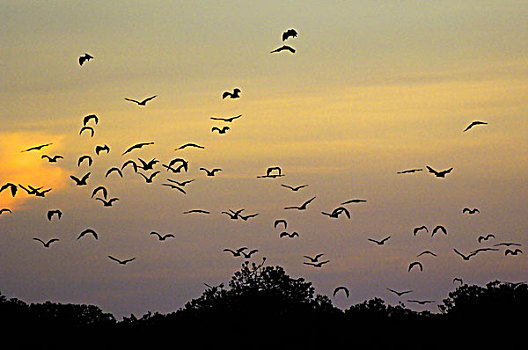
{"points": [[263, 306]]}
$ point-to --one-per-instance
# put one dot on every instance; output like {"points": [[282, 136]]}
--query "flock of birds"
{"points": [[150, 170]]}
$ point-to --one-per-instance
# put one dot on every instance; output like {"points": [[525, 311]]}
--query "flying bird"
{"points": [[399, 293], [175, 187], [248, 255], [99, 149], [290, 235], [290, 33], [211, 172], [441, 173], [485, 238], [184, 165], [465, 257], [82, 181], [233, 215], [408, 171], [11, 186], [336, 212], [57, 212], [89, 128], [417, 229], [141, 103], [476, 122], [52, 159], [470, 211], [246, 217], [112, 170], [83, 158], [315, 258], [415, 263], [512, 252], [280, 221], [164, 237], [102, 189], [148, 179], [507, 244], [439, 228], [122, 262], [229, 120], [130, 162], [237, 252], [484, 250], [189, 144], [107, 203], [37, 148], [302, 206], [46, 244], [426, 252], [344, 289], [294, 189], [319, 264], [235, 94], [181, 183], [89, 117], [147, 165], [421, 302], [199, 211], [354, 201], [136, 146], [5, 210], [84, 58], [223, 130], [282, 48], [88, 231], [382, 242]]}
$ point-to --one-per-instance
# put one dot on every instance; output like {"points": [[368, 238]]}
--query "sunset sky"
{"points": [[374, 87]]}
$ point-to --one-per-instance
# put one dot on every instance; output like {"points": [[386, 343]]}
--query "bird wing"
{"points": [[115, 259], [148, 99], [86, 176], [131, 99], [431, 170]]}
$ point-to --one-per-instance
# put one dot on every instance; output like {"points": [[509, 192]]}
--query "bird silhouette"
{"points": [[130, 162], [83, 158], [441, 173], [5, 210], [122, 262], [415, 263], [488, 249], [507, 244], [421, 302], [89, 117], [315, 258], [237, 252], [84, 58], [100, 189], [31, 189], [294, 188], [290, 33], [149, 178], [184, 165], [189, 144], [235, 94], [485, 238], [52, 159], [37, 148], [336, 212], [114, 170], [512, 252], [246, 217], [418, 229], [280, 221], [233, 215], [107, 203], [248, 254], [354, 201], [87, 128], [344, 289], [81, 181], [398, 293], [137, 146], [42, 193], [282, 48], [426, 252], [223, 130], [181, 183], [439, 228], [211, 172], [147, 165], [470, 211], [57, 212], [143, 102], [318, 264], [198, 211], [46, 244], [88, 231], [290, 235], [229, 120], [12, 187], [164, 237], [476, 122], [99, 149], [382, 242], [175, 187], [465, 257], [302, 206], [408, 171]]}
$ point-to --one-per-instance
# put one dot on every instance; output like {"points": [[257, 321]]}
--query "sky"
{"points": [[374, 88]]}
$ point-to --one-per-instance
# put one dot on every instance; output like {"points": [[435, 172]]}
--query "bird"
{"points": [[84, 58], [107, 203], [143, 102], [223, 130], [417, 229], [147, 165], [184, 165], [46, 244], [246, 217], [57, 212], [485, 238], [336, 212], [122, 262], [408, 171], [282, 48], [31, 189], [199, 211], [130, 162], [82, 181], [234, 215], [294, 188], [507, 244], [89, 117], [512, 252], [465, 257], [236, 252], [181, 183], [354, 201], [280, 221], [175, 187], [302, 206], [229, 120], [148, 179], [484, 250], [290, 235], [83, 158], [272, 172], [421, 302], [399, 293], [415, 263], [99, 149], [5, 210], [189, 144], [290, 33], [235, 94], [248, 255], [211, 172], [88, 231], [13, 188], [476, 122], [42, 193], [470, 211], [439, 228], [315, 258], [137, 146], [344, 289], [102, 189], [164, 237], [89, 128], [382, 242], [52, 159], [37, 148], [439, 173], [114, 170], [319, 264], [426, 252]]}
